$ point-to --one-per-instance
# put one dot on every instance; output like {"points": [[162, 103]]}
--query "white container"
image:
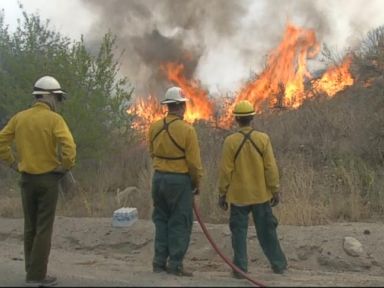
{"points": [[124, 217]]}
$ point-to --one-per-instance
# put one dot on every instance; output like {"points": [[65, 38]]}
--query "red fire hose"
{"points": [[226, 260]]}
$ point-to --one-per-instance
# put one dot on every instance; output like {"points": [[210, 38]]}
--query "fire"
{"points": [[282, 81], [286, 70], [146, 111], [199, 105], [335, 79], [149, 110], [281, 84]]}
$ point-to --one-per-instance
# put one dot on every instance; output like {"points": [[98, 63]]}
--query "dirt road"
{"points": [[90, 252]]}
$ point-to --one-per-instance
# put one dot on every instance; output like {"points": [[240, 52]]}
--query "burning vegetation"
{"points": [[282, 84]]}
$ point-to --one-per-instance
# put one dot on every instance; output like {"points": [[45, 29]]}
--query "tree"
{"points": [[95, 109], [369, 57]]}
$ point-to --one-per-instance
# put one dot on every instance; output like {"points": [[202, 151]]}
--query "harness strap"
{"points": [[247, 136], [170, 158], [165, 128]]}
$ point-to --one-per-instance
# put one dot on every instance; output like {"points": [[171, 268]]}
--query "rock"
{"points": [[352, 247]]}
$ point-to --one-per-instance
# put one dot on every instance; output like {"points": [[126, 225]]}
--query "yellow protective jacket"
{"points": [[37, 132], [251, 178], [166, 154]]}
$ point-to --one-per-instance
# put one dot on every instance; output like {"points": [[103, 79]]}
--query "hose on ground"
{"points": [[213, 244]]}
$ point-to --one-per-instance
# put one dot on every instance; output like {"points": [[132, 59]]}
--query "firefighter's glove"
{"points": [[275, 199], [223, 203]]}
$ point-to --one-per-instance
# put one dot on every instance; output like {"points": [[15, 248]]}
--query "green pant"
{"points": [[265, 224], [173, 218], [39, 196]]}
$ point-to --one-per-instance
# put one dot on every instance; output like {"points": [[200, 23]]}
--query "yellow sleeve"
{"points": [[226, 168], [150, 142], [192, 157], [6, 137], [68, 146], [270, 168]]}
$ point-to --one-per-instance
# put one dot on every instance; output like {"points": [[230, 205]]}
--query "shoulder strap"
{"points": [[165, 128], [247, 136]]}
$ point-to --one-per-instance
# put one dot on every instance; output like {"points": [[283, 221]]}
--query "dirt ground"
{"points": [[90, 252]]}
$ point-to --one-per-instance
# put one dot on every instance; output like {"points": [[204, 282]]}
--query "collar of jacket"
{"points": [[41, 105], [173, 116], [245, 128]]}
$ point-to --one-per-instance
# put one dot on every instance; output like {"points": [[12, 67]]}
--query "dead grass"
{"points": [[300, 204], [11, 207]]}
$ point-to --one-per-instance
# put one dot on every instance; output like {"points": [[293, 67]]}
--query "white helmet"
{"points": [[47, 85], [174, 95]]}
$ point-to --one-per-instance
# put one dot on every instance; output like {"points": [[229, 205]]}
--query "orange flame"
{"points": [[282, 81], [335, 79], [280, 84], [145, 111], [286, 69], [149, 110], [199, 105]]}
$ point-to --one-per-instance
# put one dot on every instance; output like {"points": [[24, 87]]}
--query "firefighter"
{"points": [[249, 183], [175, 153], [38, 133]]}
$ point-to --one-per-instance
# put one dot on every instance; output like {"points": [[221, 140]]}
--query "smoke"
{"points": [[220, 42], [155, 32]]}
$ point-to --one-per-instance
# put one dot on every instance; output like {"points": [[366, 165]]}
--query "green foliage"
{"points": [[97, 94]]}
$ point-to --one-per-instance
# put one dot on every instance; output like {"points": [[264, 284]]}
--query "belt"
{"points": [[42, 174], [169, 172]]}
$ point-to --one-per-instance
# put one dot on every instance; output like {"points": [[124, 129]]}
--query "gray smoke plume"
{"points": [[220, 42], [156, 32]]}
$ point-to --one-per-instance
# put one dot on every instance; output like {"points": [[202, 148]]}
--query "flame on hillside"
{"points": [[199, 106], [335, 79], [286, 70], [146, 111], [280, 84]]}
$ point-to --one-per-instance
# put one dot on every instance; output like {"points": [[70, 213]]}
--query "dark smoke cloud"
{"points": [[218, 41], [155, 32], [155, 49]]}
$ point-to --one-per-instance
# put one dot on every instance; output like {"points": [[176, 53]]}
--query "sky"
{"points": [[66, 16], [231, 38]]}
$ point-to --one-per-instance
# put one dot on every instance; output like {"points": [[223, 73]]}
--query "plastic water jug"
{"points": [[124, 217]]}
